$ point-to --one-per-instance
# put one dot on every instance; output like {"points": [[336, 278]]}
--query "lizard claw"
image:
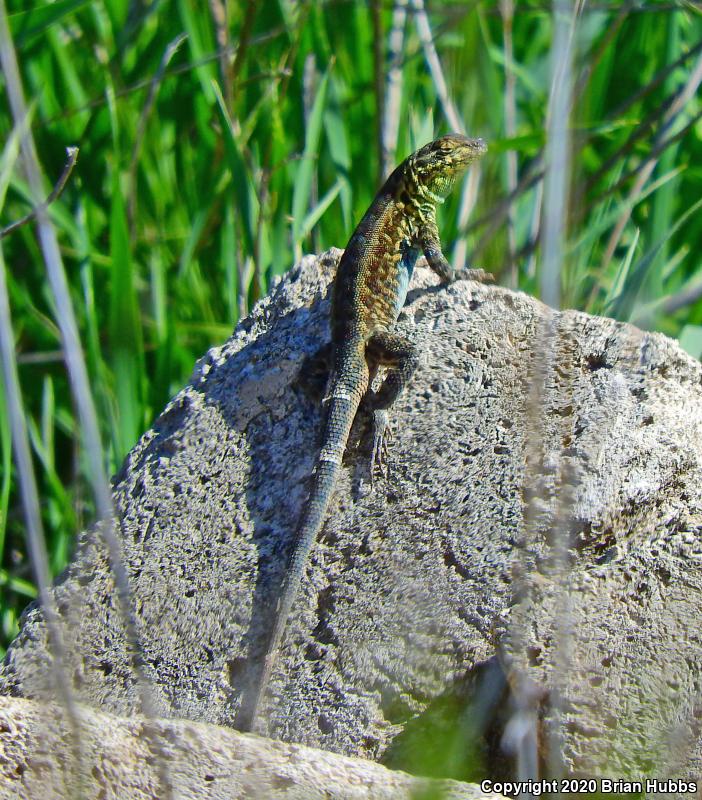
{"points": [[474, 274], [381, 436]]}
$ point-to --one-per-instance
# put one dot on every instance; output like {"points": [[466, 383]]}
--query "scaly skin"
{"points": [[369, 291]]}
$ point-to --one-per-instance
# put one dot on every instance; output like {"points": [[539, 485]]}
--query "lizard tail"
{"points": [[344, 403]]}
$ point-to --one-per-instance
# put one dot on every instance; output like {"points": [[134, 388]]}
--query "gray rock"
{"points": [[142, 759], [543, 504]]}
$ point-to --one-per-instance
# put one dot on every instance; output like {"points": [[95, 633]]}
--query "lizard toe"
{"points": [[475, 274], [381, 436]]}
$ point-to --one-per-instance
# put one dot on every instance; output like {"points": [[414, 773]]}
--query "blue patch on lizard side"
{"points": [[405, 268]]}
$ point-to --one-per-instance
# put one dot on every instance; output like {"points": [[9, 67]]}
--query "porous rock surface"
{"points": [[544, 503], [134, 758]]}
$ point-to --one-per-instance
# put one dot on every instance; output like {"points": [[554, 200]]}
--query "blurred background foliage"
{"points": [[219, 141]]}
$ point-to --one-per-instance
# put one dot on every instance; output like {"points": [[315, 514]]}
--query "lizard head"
{"points": [[438, 164]]}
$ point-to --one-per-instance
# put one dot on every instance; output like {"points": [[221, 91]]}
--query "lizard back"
{"points": [[376, 267]]}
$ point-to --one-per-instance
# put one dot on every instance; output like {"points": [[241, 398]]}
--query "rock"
{"points": [[542, 520], [142, 759]]}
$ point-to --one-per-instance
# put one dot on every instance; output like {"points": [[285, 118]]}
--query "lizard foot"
{"points": [[468, 274], [381, 436]]}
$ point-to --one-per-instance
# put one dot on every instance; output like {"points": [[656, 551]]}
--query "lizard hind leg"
{"points": [[400, 356]]}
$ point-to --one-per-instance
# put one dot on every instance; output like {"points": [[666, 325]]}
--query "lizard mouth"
{"points": [[473, 148], [480, 145]]}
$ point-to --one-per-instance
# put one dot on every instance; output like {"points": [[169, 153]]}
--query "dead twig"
{"points": [[72, 153]]}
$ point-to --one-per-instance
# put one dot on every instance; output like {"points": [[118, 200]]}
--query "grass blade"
{"points": [[126, 344], [303, 179]]}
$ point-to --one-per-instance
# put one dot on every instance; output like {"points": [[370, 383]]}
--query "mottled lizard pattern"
{"points": [[369, 291]]}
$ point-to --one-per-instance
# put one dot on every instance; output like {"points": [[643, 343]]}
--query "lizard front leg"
{"points": [[431, 246], [400, 356]]}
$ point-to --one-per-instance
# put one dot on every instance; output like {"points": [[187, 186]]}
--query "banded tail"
{"points": [[343, 404]]}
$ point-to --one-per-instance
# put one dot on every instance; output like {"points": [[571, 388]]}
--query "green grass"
{"points": [[202, 178]]}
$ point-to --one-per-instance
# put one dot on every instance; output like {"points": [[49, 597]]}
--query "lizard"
{"points": [[369, 292]]}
